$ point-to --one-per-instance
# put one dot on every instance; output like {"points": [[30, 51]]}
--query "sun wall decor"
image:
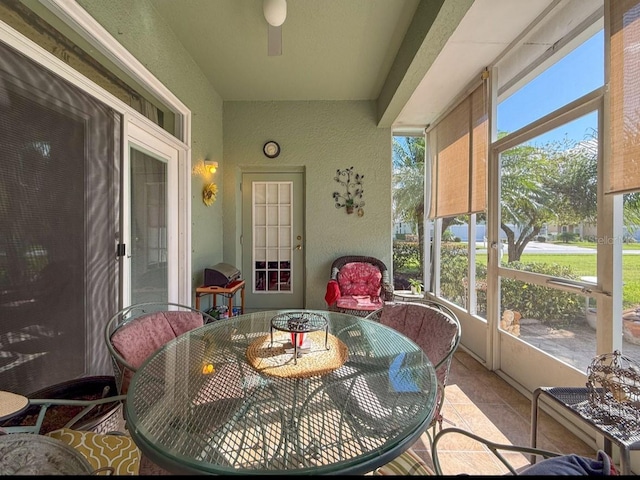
{"points": [[209, 194]]}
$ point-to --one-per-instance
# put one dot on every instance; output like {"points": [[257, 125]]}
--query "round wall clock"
{"points": [[271, 149]]}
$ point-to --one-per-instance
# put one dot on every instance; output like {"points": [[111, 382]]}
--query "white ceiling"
{"points": [[350, 49]]}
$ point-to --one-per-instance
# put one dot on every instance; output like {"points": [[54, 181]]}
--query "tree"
{"points": [[556, 182], [631, 212], [575, 181], [408, 184], [525, 185]]}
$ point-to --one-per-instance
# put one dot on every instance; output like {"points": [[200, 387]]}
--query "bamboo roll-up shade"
{"points": [[623, 174], [459, 145], [480, 145], [432, 165], [453, 144]]}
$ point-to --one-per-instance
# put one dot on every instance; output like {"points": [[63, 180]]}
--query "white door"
{"points": [[151, 218], [272, 240]]}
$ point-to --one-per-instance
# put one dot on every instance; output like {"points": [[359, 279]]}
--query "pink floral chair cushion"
{"points": [[360, 302], [360, 279], [433, 331], [358, 285], [143, 335]]}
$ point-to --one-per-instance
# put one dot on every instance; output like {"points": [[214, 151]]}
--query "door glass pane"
{"points": [[630, 237], [272, 236], [550, 319], [548, 190], [548, 205], [149, 279]]}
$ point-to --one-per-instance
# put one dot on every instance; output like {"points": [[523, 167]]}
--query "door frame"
{"points": [[300, 230]]}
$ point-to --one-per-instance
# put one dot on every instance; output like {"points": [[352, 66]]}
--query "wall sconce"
{"points": [[210, 166]]}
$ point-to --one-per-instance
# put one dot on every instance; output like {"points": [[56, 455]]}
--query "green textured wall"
{"points": [[138, 27], [319, 137]]}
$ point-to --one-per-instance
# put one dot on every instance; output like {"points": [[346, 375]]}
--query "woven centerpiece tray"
{"points": [[276, 361]]}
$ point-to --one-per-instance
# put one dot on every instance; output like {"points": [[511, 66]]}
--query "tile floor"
{"points": [[481, 402]]}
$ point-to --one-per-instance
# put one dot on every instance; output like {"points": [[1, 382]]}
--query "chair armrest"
{"points": [[386, 292]]}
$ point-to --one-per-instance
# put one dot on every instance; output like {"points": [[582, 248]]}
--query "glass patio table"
{"points": [[226, 398]]}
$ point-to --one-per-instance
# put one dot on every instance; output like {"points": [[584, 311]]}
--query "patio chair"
{"points": [[551, 463], [436, 329], [407, 463], [136, 331], [358, 285], [61, 450]]}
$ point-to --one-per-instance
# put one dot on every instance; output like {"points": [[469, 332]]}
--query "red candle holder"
{"points": [[300, 336]]}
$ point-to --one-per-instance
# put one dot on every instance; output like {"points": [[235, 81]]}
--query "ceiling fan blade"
{"points": [[274, 40]]}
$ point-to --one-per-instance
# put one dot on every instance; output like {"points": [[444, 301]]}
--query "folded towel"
{"points": [[363, 299]]}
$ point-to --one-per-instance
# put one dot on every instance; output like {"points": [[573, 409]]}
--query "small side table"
{"points": [[299, 323], [228, 292], [12, 404], [571, 399]]}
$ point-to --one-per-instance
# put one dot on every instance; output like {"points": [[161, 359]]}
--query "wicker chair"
{"points": [[358, 285], [436, 329]]}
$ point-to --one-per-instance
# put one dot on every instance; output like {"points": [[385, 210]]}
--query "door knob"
{"points": [[298, 247]]}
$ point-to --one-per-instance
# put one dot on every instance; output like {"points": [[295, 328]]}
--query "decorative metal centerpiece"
{"points": [[614, 391], [297, 324]]}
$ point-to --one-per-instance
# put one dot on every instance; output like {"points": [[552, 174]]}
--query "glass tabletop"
{"points": [[198, 405]]}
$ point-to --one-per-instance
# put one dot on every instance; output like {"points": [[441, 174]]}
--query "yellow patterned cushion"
{"points": [[408, 463], [103, 450]]}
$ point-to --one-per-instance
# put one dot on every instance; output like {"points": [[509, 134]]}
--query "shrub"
{"points": [[405, 255], [456, 262], [567, 237], [447, 236], [551, 307]]}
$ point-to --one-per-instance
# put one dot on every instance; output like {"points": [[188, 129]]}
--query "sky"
{"points": [[577, 74]]}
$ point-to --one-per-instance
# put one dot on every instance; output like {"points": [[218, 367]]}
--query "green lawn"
{"points": [[625, 246], [585, 265], [581, 264]]}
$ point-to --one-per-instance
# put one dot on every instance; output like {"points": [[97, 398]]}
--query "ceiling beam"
{"points": [[431, 27]]}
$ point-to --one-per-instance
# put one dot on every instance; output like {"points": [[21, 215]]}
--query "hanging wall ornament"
{"points": [[351, 199]]}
